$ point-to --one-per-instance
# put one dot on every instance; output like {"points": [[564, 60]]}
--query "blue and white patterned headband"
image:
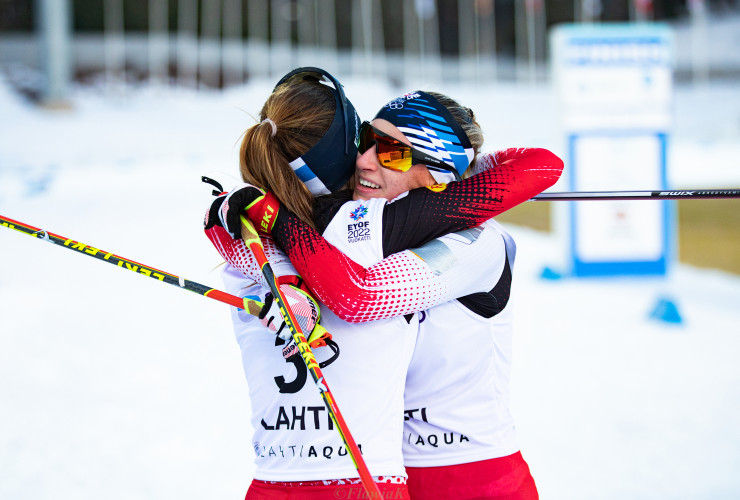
{"points": [[430, 127]]}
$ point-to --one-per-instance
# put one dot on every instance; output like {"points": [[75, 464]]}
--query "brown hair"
{"points": [[466, 118], [301, 114]]}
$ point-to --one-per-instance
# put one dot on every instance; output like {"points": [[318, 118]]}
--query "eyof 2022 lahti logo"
{"points": [[360, 230]]}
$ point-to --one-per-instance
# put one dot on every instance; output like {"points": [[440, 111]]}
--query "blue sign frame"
{"points": [[659, 266]]}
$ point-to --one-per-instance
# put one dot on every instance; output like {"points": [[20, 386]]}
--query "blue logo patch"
{"points": [[358, 213]]}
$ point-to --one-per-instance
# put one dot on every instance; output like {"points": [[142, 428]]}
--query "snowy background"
{"points": [[115, 386]]}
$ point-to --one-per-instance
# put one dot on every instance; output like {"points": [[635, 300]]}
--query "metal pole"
{"points": [[187, 46], [158, 42], [209, 44], [54, 20], [281, 56], [699, 37], [529, 10], [115, 49], [676, 194], [258, 53], [232, 55], [468, 41]]}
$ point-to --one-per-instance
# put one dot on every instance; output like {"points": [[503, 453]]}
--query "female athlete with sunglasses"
{"points": [[405, 174]]}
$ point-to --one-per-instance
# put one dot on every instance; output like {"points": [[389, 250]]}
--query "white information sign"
{"points": [[614, 86]]}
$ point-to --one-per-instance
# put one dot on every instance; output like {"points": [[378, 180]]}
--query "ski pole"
{"points": [[252, 240], [676, 194], [251, 306]]}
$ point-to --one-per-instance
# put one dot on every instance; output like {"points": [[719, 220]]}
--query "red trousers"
{"points": [[261, 490], [505, 478]]}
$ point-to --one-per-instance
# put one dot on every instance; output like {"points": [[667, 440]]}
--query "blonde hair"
{"points": [[466, 118], [293, 119]]}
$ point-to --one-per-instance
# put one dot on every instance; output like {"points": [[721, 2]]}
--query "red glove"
{"points": [[259, 206]]}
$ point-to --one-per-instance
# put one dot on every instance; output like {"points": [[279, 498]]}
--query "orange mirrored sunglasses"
{"points": [[396, 155]]}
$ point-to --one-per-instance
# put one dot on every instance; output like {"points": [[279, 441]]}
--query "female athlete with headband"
{"points": [[298, 452]]}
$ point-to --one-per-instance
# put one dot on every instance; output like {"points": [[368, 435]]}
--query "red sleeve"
{"points": [[505, 179], [513, 176], [239, 256]]}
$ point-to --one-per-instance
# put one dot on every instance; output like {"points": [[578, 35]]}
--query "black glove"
{"points": [[226, 210]]}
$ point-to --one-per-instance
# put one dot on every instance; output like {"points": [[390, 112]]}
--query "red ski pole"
{"points": [[131, 265]]}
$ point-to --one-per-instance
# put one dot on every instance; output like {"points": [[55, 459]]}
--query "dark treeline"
{"points": [[18, 16]]}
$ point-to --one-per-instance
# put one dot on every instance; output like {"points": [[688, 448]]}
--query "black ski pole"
{"points": [[675, 194]]}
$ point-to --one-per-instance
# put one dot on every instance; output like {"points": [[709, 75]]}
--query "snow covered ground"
{"points": [[115, 386]]}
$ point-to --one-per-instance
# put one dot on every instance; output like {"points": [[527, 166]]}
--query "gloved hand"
{"points": [[259, 206], [306, 312], [304, 307]]}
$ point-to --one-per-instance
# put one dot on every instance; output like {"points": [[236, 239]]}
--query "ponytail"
{"points": [[293, 120]]}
